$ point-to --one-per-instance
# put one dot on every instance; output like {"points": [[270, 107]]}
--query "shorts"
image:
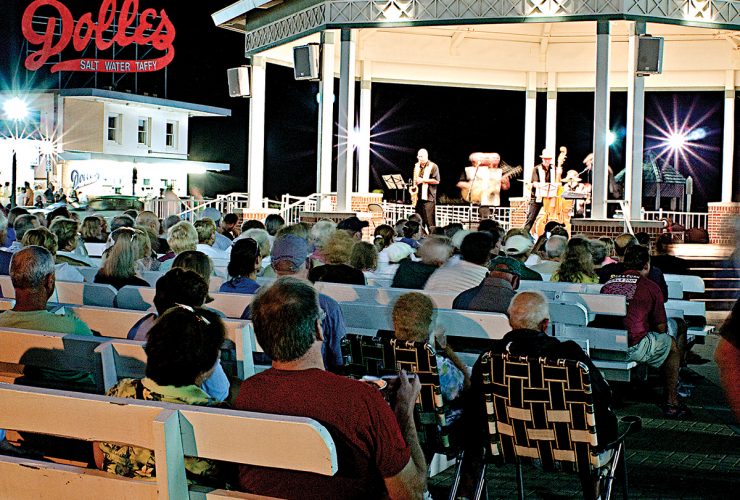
{"points": [[652, 350]]}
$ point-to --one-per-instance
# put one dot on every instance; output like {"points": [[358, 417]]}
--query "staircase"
{"points": [[722, 283]]}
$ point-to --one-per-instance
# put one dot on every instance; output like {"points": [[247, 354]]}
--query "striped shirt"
{"points": [[457, 277]]}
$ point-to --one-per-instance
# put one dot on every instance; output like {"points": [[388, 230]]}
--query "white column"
{"points": [[363, 146], [530, 122], [326, 119], [601, 120], [635, 126], [552, 113], [345, 159], [728, 137], [256, 152]]}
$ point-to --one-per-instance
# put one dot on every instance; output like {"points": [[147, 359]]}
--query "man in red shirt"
{"points": [[378, 452], [646, 324]]}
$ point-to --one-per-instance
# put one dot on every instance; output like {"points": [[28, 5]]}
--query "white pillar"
{"points": [[601, 120], [530, 122], [345, 159], [552, 113], [363, 146], [635, 126], [728, 137], [256, 152], [324, 155]]}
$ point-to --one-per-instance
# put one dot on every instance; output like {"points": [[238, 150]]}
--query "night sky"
{"points": [[450, 122]]}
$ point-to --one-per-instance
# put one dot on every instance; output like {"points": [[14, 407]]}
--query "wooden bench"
{"points": [[172, 431], [607, 348], [675, 287], [142, 299]]}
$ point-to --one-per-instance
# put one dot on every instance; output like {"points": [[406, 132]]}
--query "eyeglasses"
{"points": [[197, 316]]}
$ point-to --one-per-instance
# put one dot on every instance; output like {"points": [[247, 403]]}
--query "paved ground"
{"points": [[696, 458]]}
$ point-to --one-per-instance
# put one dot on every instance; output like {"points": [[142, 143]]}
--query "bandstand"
{"points": [[549, 46]]}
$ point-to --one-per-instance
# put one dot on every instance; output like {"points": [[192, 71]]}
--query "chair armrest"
{"points": [[628, 424]]}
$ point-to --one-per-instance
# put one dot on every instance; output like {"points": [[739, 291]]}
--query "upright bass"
{"points": [[552, 205]]}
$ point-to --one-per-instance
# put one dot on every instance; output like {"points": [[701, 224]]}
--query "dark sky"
{"points": [[450, 122]]}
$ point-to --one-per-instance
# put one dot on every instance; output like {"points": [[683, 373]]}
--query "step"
{"points": [[722, 293]]}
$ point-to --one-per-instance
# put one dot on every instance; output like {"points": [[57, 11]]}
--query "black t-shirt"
{"points": [[670, 264], [412, 274], [119, 283], [337, 273]]}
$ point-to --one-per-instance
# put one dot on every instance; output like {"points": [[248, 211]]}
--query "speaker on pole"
{"points": [[306, 62], [238, 81], [649, 55]]}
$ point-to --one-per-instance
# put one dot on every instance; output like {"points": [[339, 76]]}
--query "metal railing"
{"points": [[190, 208], [292, 206], [447, 214], [686, 219]]}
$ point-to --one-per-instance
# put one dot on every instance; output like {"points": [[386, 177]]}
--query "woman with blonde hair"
{"points": [[320, 234], [577, 264], [181, 237], [94, 229], [364, 257], [119, 266], [42, 237], [66, 233], [148, 261], [337, 270]]}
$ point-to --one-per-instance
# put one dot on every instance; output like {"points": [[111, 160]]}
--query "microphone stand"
{"points": [[470, 196]]}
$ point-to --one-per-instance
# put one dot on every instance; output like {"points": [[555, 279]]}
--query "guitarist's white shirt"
{"points": [[487, 183]]}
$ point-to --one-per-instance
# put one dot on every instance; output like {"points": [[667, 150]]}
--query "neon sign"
{"points": [[85, 30]]}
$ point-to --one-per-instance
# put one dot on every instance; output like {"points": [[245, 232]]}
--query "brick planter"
{"points": [[721, 223]]}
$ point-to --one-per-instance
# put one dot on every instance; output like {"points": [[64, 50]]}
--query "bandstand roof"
{"points": [[501, 43]]}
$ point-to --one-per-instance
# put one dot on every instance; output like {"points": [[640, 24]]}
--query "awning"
{"points": [[188, 165]]}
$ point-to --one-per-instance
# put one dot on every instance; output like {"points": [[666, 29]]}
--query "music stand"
{"points": [[396, 183]]}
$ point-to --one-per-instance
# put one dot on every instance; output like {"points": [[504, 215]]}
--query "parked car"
{"points": [[110, 206]]}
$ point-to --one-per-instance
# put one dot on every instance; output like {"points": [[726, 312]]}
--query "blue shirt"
{"points": [[240, 285], [222, 243], [334, 331]]}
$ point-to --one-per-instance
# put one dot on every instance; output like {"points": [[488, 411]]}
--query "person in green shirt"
{"points": [[516, 248], [32, 274], [182, 349], [577, 265]]}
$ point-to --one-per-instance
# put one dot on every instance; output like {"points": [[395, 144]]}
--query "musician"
{"points": [[572, 185], [426, 179], [543, 175], [483, 181]]}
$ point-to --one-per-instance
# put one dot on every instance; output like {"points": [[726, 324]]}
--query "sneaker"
{"points": [[684, 389], [677, 412]]}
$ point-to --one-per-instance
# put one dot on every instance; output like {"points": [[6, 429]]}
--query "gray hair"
{"points": [[555, 246], [261, 236], [598, 251], [30, 266], [321, 231], [284, 317], [435, 251], [3, 223], [23, 223], [528, 310]]}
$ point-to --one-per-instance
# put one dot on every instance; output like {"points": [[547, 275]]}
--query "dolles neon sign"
{"points": [[85, 30]]}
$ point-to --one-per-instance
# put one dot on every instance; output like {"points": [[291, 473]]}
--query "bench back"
{"points": [[376, 295], [689, 283], [142, 299], [91, 294]]}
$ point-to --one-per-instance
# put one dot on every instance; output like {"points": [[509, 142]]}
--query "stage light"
{"points": [[15, 109], [611, 137], [697, 135], [677, 141]]}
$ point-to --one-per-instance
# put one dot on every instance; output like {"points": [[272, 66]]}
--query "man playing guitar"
{"points": [[483, 181]]}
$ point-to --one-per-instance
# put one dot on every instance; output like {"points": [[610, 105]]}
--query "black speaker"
{"points": [[649, 55], [306, 62], [238, 81]]}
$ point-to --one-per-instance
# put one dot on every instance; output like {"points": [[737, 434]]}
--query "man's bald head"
{"points": [[422, 156]]}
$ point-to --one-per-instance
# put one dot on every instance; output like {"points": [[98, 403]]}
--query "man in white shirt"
{"points": [[470, 271], [554, 250], [206, 229]]}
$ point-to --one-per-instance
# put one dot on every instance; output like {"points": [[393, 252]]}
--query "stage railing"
{"points": [[292, 206], [686, 219], [191, 208], [447, 214]]}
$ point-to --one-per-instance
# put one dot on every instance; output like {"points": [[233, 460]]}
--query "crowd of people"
{"points": [[300, 329]]}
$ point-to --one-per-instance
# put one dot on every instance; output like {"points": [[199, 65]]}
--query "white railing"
{"points": [[447, 214], [292, 206], [686, 219], [190, 208]]}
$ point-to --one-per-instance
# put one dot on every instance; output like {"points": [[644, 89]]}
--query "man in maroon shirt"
{"points": [[646, 323], [378, 452]]}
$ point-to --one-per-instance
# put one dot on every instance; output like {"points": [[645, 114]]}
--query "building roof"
{"points": [[194, 110]]}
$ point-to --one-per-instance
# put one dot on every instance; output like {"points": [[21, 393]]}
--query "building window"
{"points": [[170, 139], [114, 128], [143, 131]]}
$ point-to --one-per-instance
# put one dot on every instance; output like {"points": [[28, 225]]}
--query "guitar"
{"points": [[482, 185]]}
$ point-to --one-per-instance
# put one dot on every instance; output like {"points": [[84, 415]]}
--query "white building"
{"points": [[94, 140]]}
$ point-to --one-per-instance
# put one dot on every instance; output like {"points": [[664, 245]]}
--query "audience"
{"points": [[120, 221], [252, 224], [550, 262], [23, 223], [198, 262], [44, 238], [289, 257], [206, 229], [220, 243], [66, 231], [467, 273], [434, 252], [244, 263], [364, 257], [263, 242], [727, 356], [379, 453], [119, 265], [32, 275], [610, 252], [577, 265], [148, 220], [13, 214], [94, 229], [516, 252], [228, 226], [353, 226], [646, 324], [621, 244], [320, 233], [669, 264], [181, 237], [182, 351], [411, 234], [273, 222], [5, 254], [337, 252]]}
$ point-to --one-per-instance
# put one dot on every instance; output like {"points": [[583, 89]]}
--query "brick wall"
{"points": [[721, 222]]}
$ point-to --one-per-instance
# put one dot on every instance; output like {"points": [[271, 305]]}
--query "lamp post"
{"points": [[15, 109]]}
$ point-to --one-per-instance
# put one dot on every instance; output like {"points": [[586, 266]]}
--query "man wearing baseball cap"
{"points": [[543, 172], [289, 255], [516, 248], [354, 226]]}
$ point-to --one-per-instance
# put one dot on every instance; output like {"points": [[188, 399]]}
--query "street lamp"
{"points": [[15, 109]]}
